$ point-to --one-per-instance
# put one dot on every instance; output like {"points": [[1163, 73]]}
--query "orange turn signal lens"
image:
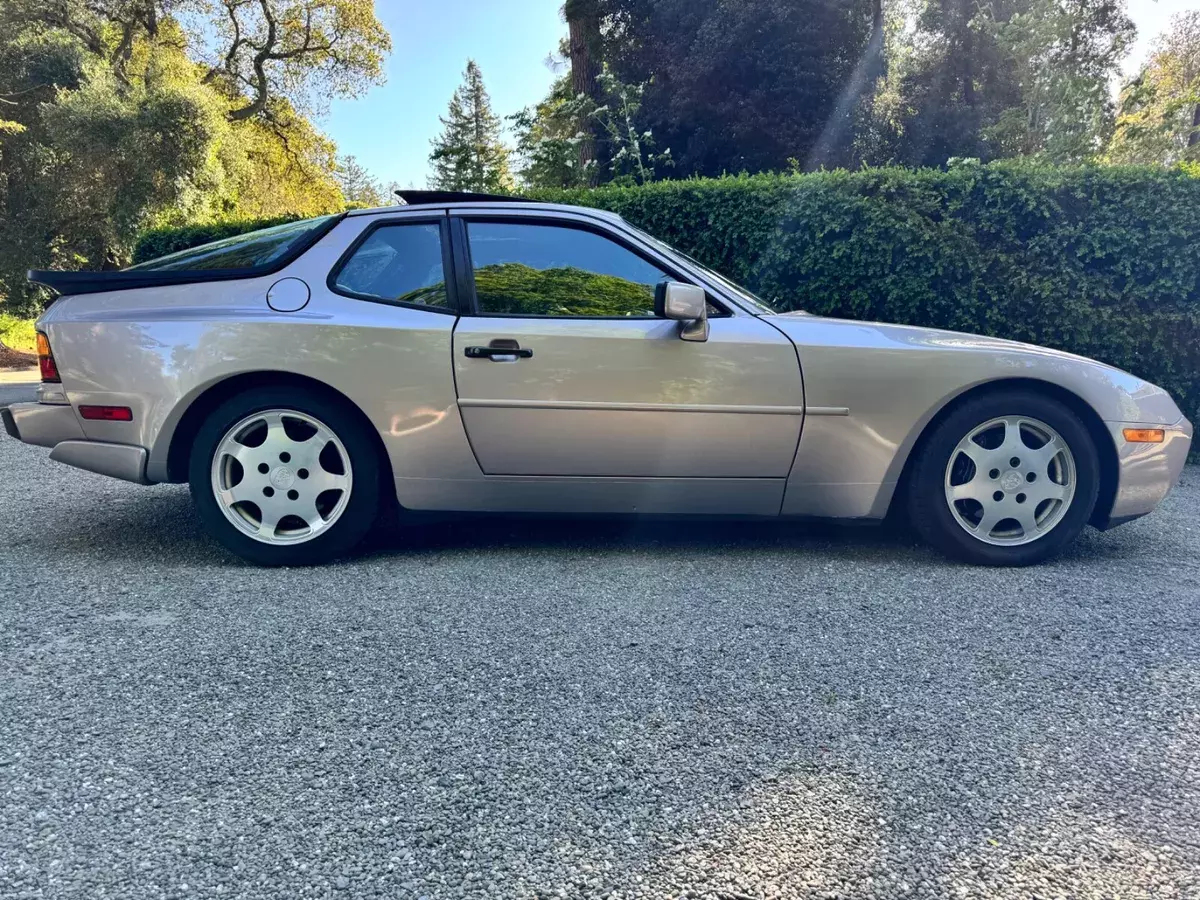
{"points": [[1145, 435], [46, 359]]}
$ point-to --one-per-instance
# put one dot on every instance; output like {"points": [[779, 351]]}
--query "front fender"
{"points": [[871, 389]]}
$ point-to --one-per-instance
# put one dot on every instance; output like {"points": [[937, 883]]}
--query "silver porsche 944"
{"points": [[470, 353]]}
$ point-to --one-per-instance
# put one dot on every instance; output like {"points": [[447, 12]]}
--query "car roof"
{"points": [[515, 205]]}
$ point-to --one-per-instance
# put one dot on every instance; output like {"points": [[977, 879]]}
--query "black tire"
{"points": [[931, 514], [362, 508]]}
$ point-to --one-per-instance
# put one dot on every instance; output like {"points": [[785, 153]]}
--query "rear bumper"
{"points": [[1146, 472], [43, 424], [9, 425], [56, 426]]}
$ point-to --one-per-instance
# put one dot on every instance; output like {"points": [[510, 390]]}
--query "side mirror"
{"points": [[685, 303]]}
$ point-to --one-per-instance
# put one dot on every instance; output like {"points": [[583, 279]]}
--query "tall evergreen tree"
{"points": [[359, 187], [470, 154]]}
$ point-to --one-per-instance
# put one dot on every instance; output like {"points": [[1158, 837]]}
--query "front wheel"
{"points": [[1009, 478], [285, 480]]}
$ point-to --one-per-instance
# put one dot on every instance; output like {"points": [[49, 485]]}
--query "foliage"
{"points": [[360, 188], [470, 154], [741, 86], [17, 334], [995, 80], [1104, 262], [1159, 119], [949, 81], [114, 124], [305, 51], [551, 137], [1065, 54]]}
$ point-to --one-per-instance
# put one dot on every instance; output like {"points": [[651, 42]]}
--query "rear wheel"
{"points": [[1008, 478], [283, 480]]}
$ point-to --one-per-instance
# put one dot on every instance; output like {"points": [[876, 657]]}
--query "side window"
{"points": [[548, 270], [398, 264]]}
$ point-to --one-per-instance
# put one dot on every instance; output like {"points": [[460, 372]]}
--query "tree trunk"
{"points": [[875, 45], [584, 29], [1194, 137], [966, 58]]}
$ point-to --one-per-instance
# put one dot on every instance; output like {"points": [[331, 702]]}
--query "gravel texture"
{"points": [[505, 708]]}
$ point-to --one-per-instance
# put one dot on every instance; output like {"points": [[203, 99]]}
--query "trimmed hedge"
{"points": [[1104, 262]]}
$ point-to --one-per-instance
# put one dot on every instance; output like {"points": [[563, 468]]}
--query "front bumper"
{"points": [[1146, 473], [56, 426]]}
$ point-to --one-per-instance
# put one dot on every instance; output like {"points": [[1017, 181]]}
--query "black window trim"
{"points": [[466, 276], [96, 282], [449, 270]]}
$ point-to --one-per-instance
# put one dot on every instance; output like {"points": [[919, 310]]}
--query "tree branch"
{"points": [[261, 84], [234, 47]]}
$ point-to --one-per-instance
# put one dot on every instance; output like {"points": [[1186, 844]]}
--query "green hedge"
{"points": [[1104, 262]]}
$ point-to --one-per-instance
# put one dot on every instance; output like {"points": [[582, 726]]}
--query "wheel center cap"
{"points": [[1011, 481], [283, 478]]}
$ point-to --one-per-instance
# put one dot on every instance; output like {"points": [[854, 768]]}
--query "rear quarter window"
{"points": [[252, 250], [397, 263]]}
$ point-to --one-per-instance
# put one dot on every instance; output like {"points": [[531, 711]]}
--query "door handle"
{"points": [[500, 351]]}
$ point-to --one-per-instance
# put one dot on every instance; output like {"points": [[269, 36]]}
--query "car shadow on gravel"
{"points": [[161, 524], [436, 533], [155, 525]]}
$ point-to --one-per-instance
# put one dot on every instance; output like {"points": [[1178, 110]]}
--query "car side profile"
{"points": [[470, 353]]}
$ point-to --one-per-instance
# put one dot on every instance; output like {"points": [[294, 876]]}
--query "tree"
{"points": [[470, 154], [112, 127], [1159, 120], [997, 79], [549, 136], [949, 79], [304, 50], [741, 86], [1065, 55], [584, 47], [359, 187]]}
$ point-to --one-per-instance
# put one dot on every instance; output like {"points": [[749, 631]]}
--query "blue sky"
{"points": [[390, 128]]}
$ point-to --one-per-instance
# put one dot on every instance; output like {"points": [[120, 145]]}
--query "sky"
{"points": [[1152, 18], [389, 129]]}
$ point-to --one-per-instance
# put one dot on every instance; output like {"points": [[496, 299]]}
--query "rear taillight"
{"points": [[46, 359]]}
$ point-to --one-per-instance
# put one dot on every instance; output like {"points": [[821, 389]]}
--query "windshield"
{"points": [[745, 294], [252, 250]]}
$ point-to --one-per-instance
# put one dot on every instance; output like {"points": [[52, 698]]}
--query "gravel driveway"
{"points": [[499, 708]]}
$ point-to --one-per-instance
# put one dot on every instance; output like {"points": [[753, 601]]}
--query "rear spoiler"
{"points": [[64, 283]]}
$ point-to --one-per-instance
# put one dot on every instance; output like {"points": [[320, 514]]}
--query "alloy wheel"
{"points": [[1010, 481], [281, 476]]}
